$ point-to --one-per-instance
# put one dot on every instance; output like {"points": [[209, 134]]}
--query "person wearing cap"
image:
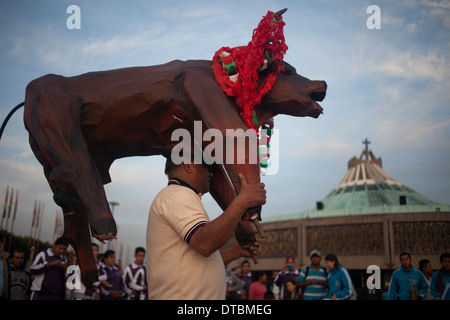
{"points": [[313, 278]]}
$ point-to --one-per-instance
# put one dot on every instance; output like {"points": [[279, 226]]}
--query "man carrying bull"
{"points": [[183, 245]]}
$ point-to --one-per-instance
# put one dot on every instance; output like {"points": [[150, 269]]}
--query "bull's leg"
{"points": [[76, 228], [76, 231], [52, 116]]}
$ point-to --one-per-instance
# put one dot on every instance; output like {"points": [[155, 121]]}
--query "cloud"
{"points": [[411, 66], [387, 60], [131, 171]]}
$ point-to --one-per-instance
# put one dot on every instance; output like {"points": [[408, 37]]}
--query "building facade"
{"points": [[369, 218]]}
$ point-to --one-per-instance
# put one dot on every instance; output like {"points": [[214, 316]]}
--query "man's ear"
{"points": [[188, 167]]}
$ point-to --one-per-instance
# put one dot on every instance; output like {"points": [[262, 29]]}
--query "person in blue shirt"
{"points": [[313, 278], [339, 282], [407, 283], [441, 278]]}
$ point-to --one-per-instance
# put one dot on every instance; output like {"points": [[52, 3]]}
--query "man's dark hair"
{"points": [[139, 249], [244, 262], [61, 241], [423, 263], [170, 166], [404, 254], [443, 256], [109, 253]]}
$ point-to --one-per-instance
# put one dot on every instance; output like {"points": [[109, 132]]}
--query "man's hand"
{"points": [[238, 251], [415, 294], [249, 250], [253, 195]]}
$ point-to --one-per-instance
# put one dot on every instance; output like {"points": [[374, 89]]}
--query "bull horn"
{"points": [[279, 13]]}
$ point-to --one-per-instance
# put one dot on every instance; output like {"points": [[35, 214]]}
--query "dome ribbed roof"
{"points": [[366, 170], [366, 184], [367, 189]]}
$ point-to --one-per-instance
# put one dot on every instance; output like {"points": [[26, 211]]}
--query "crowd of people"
{"points": [[49, 279], [333, 282]]}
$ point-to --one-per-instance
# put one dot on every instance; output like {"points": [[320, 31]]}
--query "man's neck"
{"points": [[181, 182], [315, 266]]}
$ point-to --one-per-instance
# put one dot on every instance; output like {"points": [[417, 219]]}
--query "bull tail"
{"points": [[5, 122]]}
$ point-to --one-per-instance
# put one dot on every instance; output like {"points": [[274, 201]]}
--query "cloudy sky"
{"points": [[389, 85]]}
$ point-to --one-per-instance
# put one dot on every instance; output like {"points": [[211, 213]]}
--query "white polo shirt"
{"points": [[176, 271]]}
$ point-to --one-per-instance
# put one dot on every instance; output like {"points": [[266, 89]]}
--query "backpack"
{"points": [[324, 270], [302, 290]]}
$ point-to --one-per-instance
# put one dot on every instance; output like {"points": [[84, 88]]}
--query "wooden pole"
{"points": [[4, 207], [13, 220], [32, 223], [9, 208]]}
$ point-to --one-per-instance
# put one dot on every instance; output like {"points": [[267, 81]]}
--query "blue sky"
{"points": [[389, 85]]}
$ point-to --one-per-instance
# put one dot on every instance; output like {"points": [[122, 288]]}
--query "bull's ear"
{"points": [[271, 68]]}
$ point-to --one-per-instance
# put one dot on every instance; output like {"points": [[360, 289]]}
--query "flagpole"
{"points": [[9, 208], [57, 231], [37, 223], [4, 207], [13, 220], [40, 227], [37, 211], [56, 226], [32, 222]]}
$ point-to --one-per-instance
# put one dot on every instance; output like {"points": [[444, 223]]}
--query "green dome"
{"points": [[366, 184], [367, 189]]}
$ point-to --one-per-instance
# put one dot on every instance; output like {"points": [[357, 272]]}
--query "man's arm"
{"points": [[237, 252], [213, 235]]}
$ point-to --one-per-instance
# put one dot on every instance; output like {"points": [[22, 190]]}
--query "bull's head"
{"points": [[291, 94]]}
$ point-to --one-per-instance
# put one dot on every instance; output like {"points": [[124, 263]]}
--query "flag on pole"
{"points": [[15, 209], [39, 234], [58, 226], [39, 220], [34, 214], [38, 214], [9, 208], [32, 223], [12, 223], [4, 206]]}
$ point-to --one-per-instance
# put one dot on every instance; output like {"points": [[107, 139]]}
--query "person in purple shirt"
{"points": [[48, 271], [246, 276], [135, 277], [91, 292], [114, 289], [289, 272]]}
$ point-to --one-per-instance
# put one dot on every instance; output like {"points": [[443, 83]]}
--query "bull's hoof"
{"points": [[89, 277], [104, 237]]}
